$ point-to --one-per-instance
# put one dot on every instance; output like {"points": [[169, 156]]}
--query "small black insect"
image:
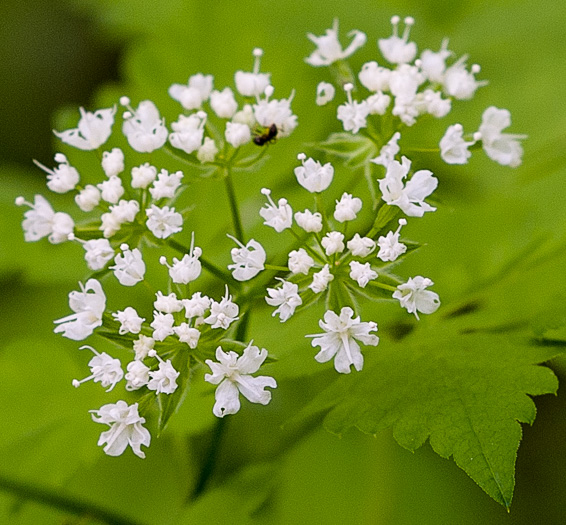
{"points": [[268, 136]]}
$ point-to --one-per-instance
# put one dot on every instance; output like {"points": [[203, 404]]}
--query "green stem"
{"points": [[377, 284], [276, 268], [234, 210]]}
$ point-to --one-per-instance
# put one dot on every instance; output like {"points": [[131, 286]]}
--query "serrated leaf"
{"points": [[355, 150], [466, 394]]}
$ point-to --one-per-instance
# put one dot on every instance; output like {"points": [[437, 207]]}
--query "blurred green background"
{"points": [[57, 54]]}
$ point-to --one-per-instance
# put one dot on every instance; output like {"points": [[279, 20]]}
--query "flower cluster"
{"points": [[340, 250]]}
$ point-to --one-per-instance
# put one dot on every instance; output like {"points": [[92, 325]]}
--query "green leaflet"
{"points": [[354, 150], [466, 394]]}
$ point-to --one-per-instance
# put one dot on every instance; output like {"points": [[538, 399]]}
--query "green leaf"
{"points": [[355, 150], [466, 394]]}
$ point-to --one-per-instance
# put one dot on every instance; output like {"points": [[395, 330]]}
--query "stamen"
{"points": [[257, 53]]}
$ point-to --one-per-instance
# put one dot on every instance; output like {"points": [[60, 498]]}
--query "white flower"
{"points": [[224, 313], [339, 341], [163, 222], [98, 253], [196, 305], [329, 50], [308, 221], [320, 280], [167, 304], [164, 379], [453, 147], [410, 198], [113, 162], [88, 198], [286, 297], [347, 208], [125, 428], [162, 325], [374, 77], [137, 375], [111, 189], [389, 246], [252, 84], [188, 335], [125, 211], [433, 64], [232, 374], [109, 224], [40, 221], [459, 82], [414, 296], [333, 242], [388, 151], [129, 267], [88, 308], [188, 268], [279, 216], [300, 261], [63, 178], [275, 112], [312, 175], [166, 185], [378, 103], [208, 151], [223, 103], [142, 346], [434, 104], [92, 131], [353, 114], [404, 83], [130, 321], [503, 148], [188, 132], [237, 134], [104, 370], [360, 246], [248, 260], [246, 115], [324, 93], [361, 273], [144, 128], [143, 176], [194, 93], [396, 49]]}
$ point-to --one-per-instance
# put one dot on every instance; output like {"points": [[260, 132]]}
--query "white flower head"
{"points": [[224, 313], [125, 428], [188, 335], [389, 246], [111, 190], [333, 242], [129, 267], [125, 211], [300, 261], [63, 178], [414, 296], [397, 49], [143, 176], [321, 280], [130, 321], [433, 64], [167, 304], [237, 134], [88, 198], [196, 306], [113, 162], [248, 260], [166, 184], [324, 93], [378, 103], [347, 208], [453, 147], [374, 77], [308, 221], [104, 370], [232, 374], [163, 222], [92, 131], [88, 308], [312, 175], [41, 221], [340, 340], [97, 253], [223, 103], [360, 246], [252, 84], [353, 114], [188, 268], [388, 151], [144, 128], [194, 93], [188, 132], [503, 148], [279, 216], [137, 375], [162, 325], [434, 104], [409, 197], [362, 273], [142, 345], [275, 112], [286, 297], [328, 48], [460, 83], [164, 379]]}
